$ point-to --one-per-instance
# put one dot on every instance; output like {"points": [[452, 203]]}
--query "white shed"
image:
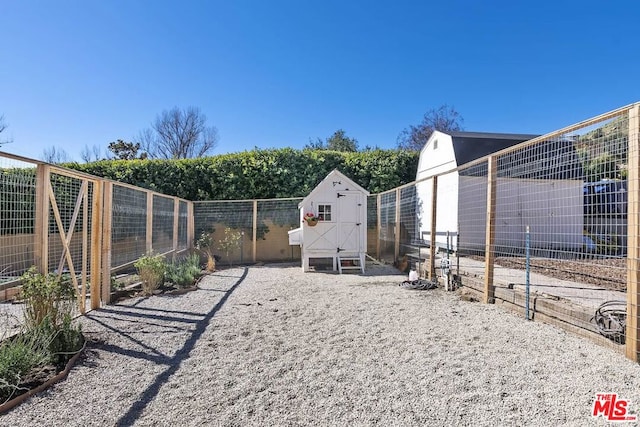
{"points": [[338, 230], [547, 199]]}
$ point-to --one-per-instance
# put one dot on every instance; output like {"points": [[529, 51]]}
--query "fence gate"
{"points": [[68, 216]]}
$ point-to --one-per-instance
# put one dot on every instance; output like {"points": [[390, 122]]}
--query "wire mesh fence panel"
{"points": [[471, 208], [372, 226], [275, 218], [387, 226], [409, 244], [162, 234], [569, 191], [129, 225], [231, 223], [69, 223], [183, 218], [17, 218], [70, 205]]}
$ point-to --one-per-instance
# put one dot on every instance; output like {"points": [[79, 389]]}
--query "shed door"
{"points": [[350, 208]]}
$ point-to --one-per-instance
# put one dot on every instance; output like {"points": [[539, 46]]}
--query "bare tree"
{"points": [[55, 155], [3, 126], [179, 134], [92, 154], [444, 118]]}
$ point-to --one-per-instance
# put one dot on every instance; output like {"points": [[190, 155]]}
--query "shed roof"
{"points": [[334, 175], [470, 146]]}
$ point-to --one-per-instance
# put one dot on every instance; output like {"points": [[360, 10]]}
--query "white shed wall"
{"points": [[553, 209], [435, 161]]}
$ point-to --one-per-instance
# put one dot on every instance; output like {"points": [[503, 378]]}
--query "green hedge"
{"points": [[260, 174]]}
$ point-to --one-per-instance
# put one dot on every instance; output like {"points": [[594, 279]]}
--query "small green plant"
{"points": [[116, 285], [151, 269], [230, 242], [185, 272], [18, 356], [62, 340], [48, 335], [46, 297], [204, 244]]}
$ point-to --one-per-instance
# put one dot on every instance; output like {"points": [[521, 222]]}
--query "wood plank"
{"points": [[149, 226], [107, 218], [490, 230], [254, 236], [85, 245], [434, 227], [633, 235], [396, 248], [191, 231], [41, 231], [378, 225], [176, 222], [96, 245]]}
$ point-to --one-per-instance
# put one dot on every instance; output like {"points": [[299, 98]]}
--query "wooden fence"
{"points": [[67, 222]]}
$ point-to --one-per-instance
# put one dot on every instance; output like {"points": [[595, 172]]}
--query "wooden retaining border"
{"points": [[552, 310]]}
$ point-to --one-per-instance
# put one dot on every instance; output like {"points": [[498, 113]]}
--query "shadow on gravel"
{"points": [[173, 363]]}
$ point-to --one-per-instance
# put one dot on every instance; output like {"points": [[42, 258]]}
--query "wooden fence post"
{"points": [[149, 227], [378, 225], [107, 221], [41, 226], [254, 235], [489, 254], [191, 233], [396, 249], [97, 215], [633, 235], [176, 222], [434, 225]]}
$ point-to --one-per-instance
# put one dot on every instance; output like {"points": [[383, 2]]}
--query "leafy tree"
{"points": [[126, 150], [179, 134], [339, 141], [602, 167], [444, 118]]}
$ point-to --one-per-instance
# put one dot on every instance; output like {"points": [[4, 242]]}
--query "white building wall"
{"points": [[551, 208]]}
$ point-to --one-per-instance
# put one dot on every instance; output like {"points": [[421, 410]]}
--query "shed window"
{"points": [[324, 212], [435, 144]]}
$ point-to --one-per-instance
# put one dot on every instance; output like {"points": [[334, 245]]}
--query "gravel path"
{"points": [[274, 346]]}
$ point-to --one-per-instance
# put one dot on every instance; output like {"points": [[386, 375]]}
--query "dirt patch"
{"points": [[607, 273]]}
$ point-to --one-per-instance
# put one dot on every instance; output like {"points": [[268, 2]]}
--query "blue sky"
{"points": [[276, 73]]}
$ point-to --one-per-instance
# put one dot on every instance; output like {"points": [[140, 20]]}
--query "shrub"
{"points": [[185, 272], [46, 297], [258, 173], [230, 242], [18, 356], [151, 269], [204, 244]]}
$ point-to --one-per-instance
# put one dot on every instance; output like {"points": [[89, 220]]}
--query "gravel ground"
{"points": [[271, 345]]}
